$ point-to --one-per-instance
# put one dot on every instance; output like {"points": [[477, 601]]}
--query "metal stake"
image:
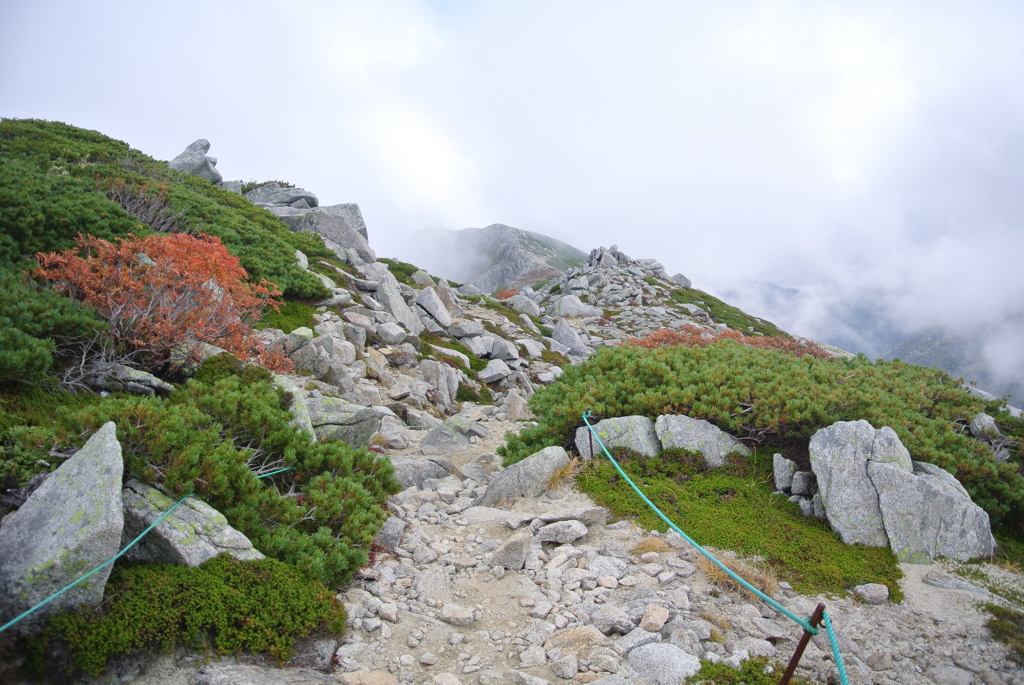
{"points": [[804, 639]]}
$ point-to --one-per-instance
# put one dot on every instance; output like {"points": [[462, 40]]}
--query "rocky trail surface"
{"points": [[546, 590]]}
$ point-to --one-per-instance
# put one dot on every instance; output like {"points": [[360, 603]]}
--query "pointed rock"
{"points": [[70, 525]]}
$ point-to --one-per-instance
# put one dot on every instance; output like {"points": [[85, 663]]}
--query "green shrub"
{"points": [[288, 317], [778, 400], [232, 606], [757, 671], [1007, 626], [466, 393], [29, 316], [734, 508], [215, 439]]}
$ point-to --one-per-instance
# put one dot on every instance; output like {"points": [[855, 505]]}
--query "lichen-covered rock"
{"points": [[121, 378], [571, 305], [636, 433], [70, 525], [527, 478], [683, 432], [274, 194], [783, 470], [927, 516], [839, 458], [335, 418], [193, 533]]}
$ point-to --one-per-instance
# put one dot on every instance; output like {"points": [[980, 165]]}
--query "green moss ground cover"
{"points": [[733, 508], [231, 606], [291, 315]]}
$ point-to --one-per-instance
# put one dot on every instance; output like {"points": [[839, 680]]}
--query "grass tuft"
{"points": [[761, 578]]}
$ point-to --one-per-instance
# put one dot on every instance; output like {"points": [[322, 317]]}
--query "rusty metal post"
{"points": [[804, 639]]}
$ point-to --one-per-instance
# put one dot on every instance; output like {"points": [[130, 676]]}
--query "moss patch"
{"points": [[733, 508], [291, 315], [230, 605]]}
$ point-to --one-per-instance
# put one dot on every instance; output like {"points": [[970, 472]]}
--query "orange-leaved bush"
{"points": [[164, 295], [694, 336]]}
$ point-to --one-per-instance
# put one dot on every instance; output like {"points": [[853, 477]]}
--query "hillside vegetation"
{"points": [[774, 400], [137, 259]]}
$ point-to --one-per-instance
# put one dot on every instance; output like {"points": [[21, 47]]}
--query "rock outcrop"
{"points": [[873, 494], [194, 160], [70, 525]]}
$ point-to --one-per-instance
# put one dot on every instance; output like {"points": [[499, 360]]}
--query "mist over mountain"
{"points": [[875, 322], [491, 258]]}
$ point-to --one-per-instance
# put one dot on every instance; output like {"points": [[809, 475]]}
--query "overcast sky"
{"points": [[868, 151]]}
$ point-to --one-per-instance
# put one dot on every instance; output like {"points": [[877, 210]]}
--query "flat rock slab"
{"points": [[635, 433], [193, 533], [70, 525]]}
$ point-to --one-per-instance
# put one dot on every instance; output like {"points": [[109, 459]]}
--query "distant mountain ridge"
{"points": [[494, 257]]}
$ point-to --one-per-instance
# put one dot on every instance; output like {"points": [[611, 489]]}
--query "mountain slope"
{"points": [[492, 258]]}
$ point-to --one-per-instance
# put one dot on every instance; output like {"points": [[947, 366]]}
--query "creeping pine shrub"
{"points": [[163, 291], [700, 337], [775, 399], [30, 317], [214, 439], [230, 605]]}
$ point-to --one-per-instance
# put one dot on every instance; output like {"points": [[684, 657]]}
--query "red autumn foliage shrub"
{"points": [[163, 292], [701, 337], [507, 293]]}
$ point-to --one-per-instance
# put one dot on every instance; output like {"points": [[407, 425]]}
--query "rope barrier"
{"points": [[803, 623], [113, 558]]}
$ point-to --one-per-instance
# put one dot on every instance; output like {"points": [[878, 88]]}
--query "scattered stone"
{"points": [[457, 615], [562, 532]]}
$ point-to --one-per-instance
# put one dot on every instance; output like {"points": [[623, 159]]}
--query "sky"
{"points": [[869, 154]]}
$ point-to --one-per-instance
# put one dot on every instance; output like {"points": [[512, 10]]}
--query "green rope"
{"points": [[113, 558], [803, 623]]}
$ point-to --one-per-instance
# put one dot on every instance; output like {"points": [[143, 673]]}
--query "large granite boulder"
{"points": [[121, 378], [194, 161], [428, 299], [412, 471], [527, 478], [335, 418], [299, 409], [523, 305], [683, 432], [193, 533], [70, 525], [336, 229], [874, 494], [636, 433], [927, 514], [451, 302], [567, 335], [839, 458]]}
